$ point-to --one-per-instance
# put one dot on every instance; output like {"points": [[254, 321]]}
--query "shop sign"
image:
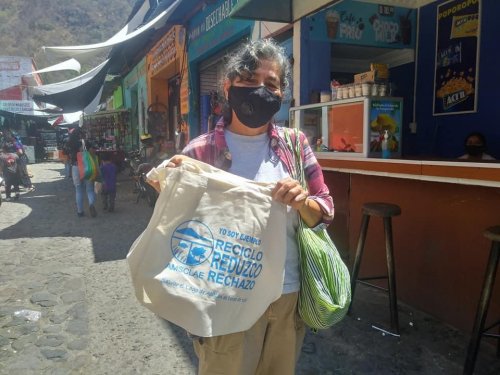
{"points": [[16, 106], [212, 26], [164, 52], [365, 24], [457, 54], [9, 65]]}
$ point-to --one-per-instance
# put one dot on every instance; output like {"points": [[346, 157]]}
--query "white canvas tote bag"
{"points": [[212, 257]]}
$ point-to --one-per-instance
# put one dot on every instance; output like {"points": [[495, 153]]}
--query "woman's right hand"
{"points": [[173, 162]]}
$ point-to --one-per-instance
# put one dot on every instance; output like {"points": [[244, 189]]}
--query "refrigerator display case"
{"points": [[352, 127]]}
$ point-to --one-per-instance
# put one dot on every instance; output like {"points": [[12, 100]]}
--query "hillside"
{"points": [[27, 25]]}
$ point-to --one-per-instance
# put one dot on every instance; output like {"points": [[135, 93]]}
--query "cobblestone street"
{"points": [[73, 272], [67, 305]]}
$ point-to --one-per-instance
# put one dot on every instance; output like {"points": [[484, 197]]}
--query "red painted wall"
{"points": [[440, 250]]}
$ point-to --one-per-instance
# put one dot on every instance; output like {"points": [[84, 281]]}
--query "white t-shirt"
{"points": [[483, 157], [255, 160]]}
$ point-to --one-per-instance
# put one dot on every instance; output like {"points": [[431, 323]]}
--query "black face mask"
{"points": [[474, 150], [254, 106]]}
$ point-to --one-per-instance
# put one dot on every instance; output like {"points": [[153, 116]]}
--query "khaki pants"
{"points": [[271, 347]]}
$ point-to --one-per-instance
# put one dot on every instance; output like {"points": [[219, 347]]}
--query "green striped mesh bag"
{"points": [[325, 289]]}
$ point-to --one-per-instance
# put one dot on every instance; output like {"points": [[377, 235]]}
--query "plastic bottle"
{"points": [[386, 153]]}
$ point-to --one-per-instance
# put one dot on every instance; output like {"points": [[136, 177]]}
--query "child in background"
{"points": [[108, 173], [65, 158]]}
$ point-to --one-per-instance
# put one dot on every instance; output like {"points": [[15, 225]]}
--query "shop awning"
{"points": [[57, 87], [76, 93], [70, 64], [128, 32], [292, 10]]}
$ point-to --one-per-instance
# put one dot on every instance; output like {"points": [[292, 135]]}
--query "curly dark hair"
{"points": [[248, 58]]}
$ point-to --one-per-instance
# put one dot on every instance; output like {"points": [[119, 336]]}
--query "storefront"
{"points": [[109, 132], [359, 51], [167, 82], [135, 99], [440, 251], [446, 204], [212, 35]]}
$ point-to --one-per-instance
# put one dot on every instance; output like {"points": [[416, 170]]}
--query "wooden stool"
{"points": [[478, 331], [385, 211]]}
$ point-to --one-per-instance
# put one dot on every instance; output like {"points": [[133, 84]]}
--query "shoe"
{"points": [[80, 214], [93, 211], [105, 208], [7, 199], [16, 197], [111, 209]]}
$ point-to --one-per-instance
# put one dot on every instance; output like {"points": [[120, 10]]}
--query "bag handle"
{"points": [[84, 148], [298, 168]]}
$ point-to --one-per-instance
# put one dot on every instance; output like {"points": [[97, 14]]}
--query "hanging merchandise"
{"points": [[215, 109], [108, 128], [158, 120], [209, 78]]}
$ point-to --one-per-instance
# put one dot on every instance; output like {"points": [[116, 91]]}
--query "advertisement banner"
{"points": [[365, 24], [385, 115], [457, 55]]}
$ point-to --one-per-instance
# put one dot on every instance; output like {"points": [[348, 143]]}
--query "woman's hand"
{"points": [[174, 162], [290, 192]]}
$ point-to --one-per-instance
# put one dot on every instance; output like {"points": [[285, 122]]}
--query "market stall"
{"points": [[110, 132], [405, 150]]}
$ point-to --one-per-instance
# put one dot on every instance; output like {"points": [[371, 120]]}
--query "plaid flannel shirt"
{"points": [[211, 148]]}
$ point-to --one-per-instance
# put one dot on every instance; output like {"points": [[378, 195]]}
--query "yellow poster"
{"points": [[465, 26]]}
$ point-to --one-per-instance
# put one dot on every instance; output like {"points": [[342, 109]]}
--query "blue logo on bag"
{"points": [[192, 243]]}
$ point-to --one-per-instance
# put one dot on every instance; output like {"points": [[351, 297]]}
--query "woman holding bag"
{"points": [[76, 144], [247, 143]]}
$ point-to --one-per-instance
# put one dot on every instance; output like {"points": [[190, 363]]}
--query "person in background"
{"points": [[147, 147], [9, 166], [75, 145], [108, 174], [23, 166], [247, 143], [65, 158], [13, 142], [475, 148], [180, 138]]}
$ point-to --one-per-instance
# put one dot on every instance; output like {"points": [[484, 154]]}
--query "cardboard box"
{"points": [[365, 77]]}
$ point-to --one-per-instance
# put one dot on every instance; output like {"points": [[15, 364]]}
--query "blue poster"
{"points": [[368, 24]]}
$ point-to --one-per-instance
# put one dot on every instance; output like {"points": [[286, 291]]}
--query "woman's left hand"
{"points": [[290, 192]]}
